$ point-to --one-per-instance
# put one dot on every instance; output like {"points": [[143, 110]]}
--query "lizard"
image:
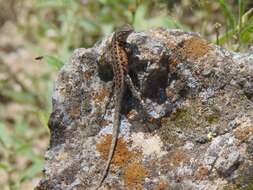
{"points": [[120, 71]]}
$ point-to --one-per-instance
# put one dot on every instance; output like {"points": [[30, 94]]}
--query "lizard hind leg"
{"points": [[137, 95], [146, 117], [133, 90]]}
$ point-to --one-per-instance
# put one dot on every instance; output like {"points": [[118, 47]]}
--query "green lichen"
{"points": [[238, 187], [183, 118], [242, 183], [213, 118]]}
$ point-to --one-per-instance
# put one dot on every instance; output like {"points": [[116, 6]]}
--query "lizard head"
{"points": [[123, 32]]}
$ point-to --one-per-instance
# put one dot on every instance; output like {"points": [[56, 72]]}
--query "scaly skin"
{"points": [[119, 64]]}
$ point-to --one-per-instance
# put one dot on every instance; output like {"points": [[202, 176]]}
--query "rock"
{"points": [[198, 136]]}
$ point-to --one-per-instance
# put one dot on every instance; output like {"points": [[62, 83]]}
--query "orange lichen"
{"points": [[177, 157], [201, 173], [101, 96], [121, 156], [163, 185], [243, 133], [134, 174], [173, 61], [194, 48]]}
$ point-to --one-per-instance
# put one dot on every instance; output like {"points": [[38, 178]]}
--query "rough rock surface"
{"points": [[200, 135]]}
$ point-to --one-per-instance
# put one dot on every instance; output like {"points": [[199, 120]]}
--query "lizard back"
{"points": [[119, 65]]}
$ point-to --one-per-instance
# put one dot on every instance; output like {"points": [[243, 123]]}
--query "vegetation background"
{"points": [[52, 29]]}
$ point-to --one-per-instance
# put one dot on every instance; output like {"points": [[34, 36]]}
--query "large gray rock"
{"points": [[200, 131]]}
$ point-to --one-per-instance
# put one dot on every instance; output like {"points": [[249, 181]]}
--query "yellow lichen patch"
{"points": [[121, 155], [134, 174], [101, 96], [212, 118], [201, 173], [194, 48], [243, 133], [177, 157]]}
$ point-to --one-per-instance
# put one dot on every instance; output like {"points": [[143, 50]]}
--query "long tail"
{"points": [[116, 124]]}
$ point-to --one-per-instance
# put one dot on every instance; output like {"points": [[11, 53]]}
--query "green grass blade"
{"points": [[228, 13], [225, 37], [247, 17], [246, 35]]}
